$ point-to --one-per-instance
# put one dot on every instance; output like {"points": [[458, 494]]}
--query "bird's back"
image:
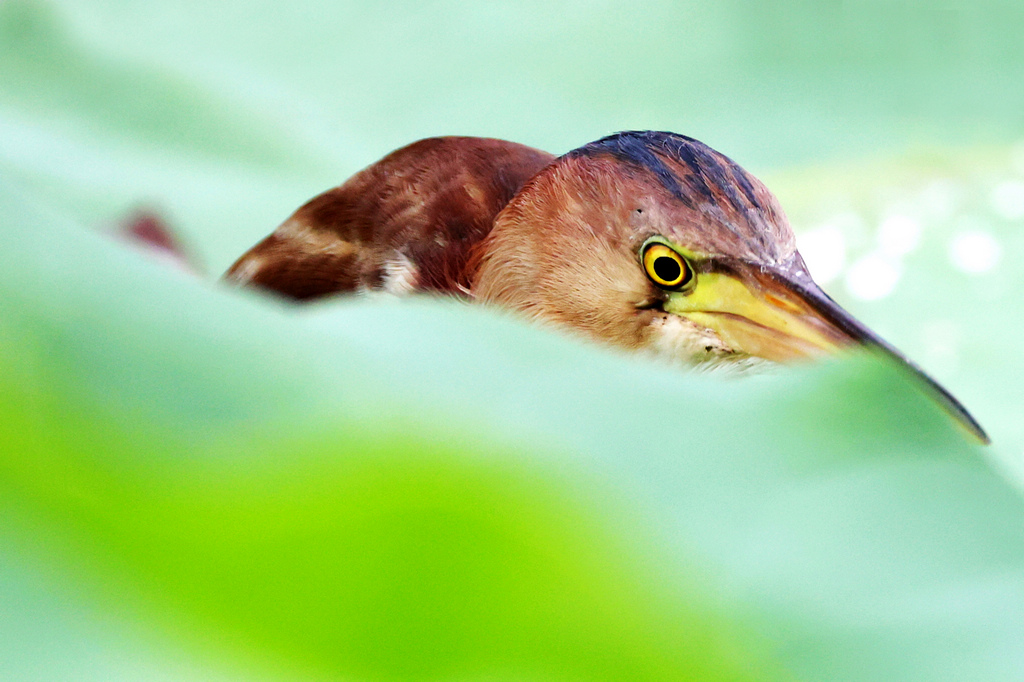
{"points": [[407, 223]]}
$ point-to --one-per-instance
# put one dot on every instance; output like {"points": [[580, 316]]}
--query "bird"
{"points": [[649, 241]]}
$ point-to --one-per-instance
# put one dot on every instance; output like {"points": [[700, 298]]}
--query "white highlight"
{"points": [[247, 270], [681, 341], [974, 251], [824, 250], [1008, 199], [301, 236], [899, 235], [400, 275], [873, 277]]}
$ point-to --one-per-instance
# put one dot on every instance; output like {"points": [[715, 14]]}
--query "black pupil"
{"points": [[667, 269]]}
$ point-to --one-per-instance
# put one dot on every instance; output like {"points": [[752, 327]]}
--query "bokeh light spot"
{"points": [[899, 235], [824, 251], [873, 277], [974, 251], [1008, 199]]}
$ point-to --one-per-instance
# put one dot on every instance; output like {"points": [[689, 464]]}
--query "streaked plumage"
{"points": [[568, 241], [408, 222]]}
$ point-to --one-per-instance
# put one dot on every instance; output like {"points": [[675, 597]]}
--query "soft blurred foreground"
{"points": [[201, 483]]}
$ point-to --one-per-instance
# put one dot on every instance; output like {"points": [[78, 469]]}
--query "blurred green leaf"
{"points": [[201, 483], [48, 73], [421, 489]]}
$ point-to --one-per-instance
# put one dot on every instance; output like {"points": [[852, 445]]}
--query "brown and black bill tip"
{"points": [[860, 334]]}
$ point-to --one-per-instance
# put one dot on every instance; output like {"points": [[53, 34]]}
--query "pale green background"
{"points": [[195, 483]]}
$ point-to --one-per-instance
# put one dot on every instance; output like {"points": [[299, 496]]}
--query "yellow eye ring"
{"points": [[665, 267]]}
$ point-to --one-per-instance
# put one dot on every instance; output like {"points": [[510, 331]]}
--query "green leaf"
{"points": [[198, 482], [421, 489]]}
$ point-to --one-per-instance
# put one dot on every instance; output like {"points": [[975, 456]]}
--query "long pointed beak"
{"points": [[785, 317]]}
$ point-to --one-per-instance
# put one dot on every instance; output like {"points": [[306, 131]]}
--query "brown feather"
{"points": [[563, 240], [597, 205], [406, 223]]}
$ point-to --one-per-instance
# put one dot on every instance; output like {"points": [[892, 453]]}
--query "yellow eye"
{"points": [[665, 267]]}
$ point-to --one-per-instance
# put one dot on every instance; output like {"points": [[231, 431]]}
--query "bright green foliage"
{"points": [[200, 483]]}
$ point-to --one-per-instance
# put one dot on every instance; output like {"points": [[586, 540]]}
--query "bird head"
{"points": [[654, 241]]}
